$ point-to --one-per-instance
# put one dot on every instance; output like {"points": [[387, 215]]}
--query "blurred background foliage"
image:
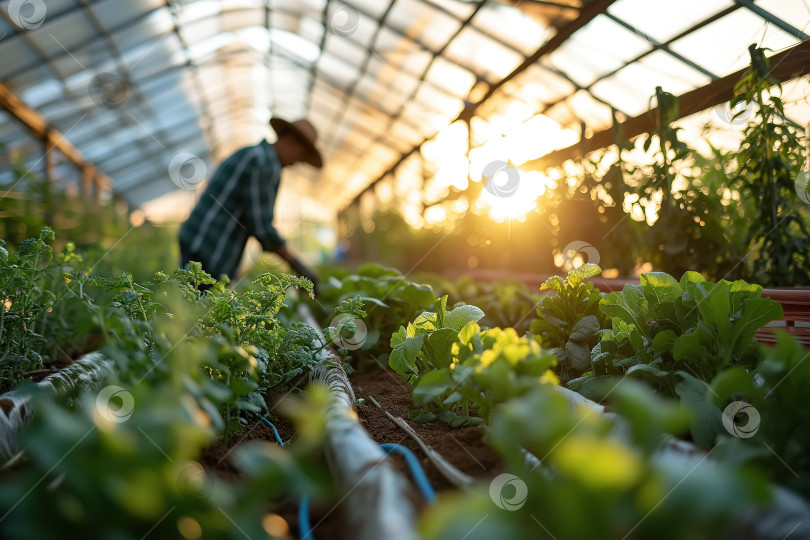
{"points": [[653, 203]]}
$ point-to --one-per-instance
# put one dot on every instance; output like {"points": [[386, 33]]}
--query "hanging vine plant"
{"points": [[769, 161]]}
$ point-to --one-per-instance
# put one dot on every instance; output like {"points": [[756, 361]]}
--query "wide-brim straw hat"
{"points": [[305, 131]]}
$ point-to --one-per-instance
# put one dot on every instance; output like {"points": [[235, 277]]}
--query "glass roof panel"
{"points": [[347, 21], [509, 25], [665, 20], [423, 23], [337, 70], [374, 8], [482, 54], [152, 27], [723, 52], [16, 54], [450, 78], [92, 58], [115, 13], [345, 49], [242, 73], [598, 48], [630, 89], [795, 12]]}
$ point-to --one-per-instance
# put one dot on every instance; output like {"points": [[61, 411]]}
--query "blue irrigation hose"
{"points": [[304, 525], [417, 472], [275, 431]]}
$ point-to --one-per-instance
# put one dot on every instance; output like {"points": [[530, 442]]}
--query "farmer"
{"points": [[239, 199]]}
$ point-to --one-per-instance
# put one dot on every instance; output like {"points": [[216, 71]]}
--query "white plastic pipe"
{"points": [[16, 406], [375, 498]]}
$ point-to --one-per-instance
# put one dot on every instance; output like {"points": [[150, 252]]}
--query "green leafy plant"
{"points": [[673, 189], [388, 298], [781, 403], [43, 303], [249, 352], [770, 158], [569, 319], [488, 368], [426, 343], [590, 468], [505, 302], [457, 369], [139, 474], [682, 338], [663, 326]]}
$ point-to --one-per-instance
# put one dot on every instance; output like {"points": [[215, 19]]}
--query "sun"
{"points": [[506, 198]]}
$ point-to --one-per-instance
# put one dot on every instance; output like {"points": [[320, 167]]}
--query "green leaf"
{"points": [[422, 417], [398, 337], [441, 311], [555, 283], [585, 328], [649, 414], [757, 312], [403, 357], [467, 333], [688, 348], [372, 338], [374, 301], [730, 382], [241, 387], [592, 387], [664, 341], [629, 305], [438, 345], [579, 355], [432, 385], [459, 317], [585, 271], [659, 287], [649, 373], [707, 421]]}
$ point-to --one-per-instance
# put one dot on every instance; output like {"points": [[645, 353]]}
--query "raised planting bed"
{"points": [[794, 301], [462, 447]]}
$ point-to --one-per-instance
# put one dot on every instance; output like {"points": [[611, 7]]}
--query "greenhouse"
{"points": [[405, 269]]}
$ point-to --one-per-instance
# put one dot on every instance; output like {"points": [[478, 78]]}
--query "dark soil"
{"points": [[463, 447], [215, 457]]}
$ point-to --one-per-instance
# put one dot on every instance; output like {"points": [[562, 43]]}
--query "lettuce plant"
{"points": [[569, 319], [662, 327], [458, 369]]}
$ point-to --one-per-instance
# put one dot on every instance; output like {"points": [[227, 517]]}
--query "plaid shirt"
{"points": [[238, 203]]}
